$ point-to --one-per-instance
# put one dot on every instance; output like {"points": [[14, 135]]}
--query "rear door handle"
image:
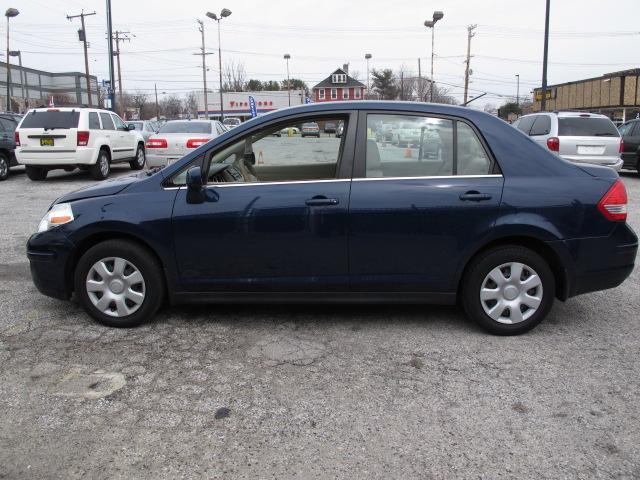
{"points": [[474, 196], [320, 201]]}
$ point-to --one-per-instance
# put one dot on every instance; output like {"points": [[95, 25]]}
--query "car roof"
{"points": [[204, 120], [580, 114]]}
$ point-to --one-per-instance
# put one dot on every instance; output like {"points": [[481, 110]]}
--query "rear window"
{"points": [[309, 125], [47, 119], [586, 127], [186, 127]]}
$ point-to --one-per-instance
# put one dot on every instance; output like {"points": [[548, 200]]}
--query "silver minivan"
{"points": [[575, 136]]}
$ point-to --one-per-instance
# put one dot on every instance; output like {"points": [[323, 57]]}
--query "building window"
{"points": [[321, 94], [356, 93], [338, 78], [334, 93], [345, 94]]}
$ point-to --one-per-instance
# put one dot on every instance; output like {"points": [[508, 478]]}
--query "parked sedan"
{"points": [[145, 127], [630, 132], [8, 124], [493, 221], [310, 129], [176, 138]]}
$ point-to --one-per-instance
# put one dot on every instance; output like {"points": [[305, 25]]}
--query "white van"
{"points": [[76, 137]]}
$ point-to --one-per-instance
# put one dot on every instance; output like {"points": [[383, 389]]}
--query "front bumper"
{"points": [[48, 254]]}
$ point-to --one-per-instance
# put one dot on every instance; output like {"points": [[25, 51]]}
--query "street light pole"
{"points": [[10, 13], [518, 90], [287, 57], [543, 101], [18, 53], [223, 14], [155, 88], [367, 57], [437, 15]]}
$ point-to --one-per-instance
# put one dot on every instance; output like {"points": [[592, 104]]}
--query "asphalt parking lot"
{"points": [[305, 391]]}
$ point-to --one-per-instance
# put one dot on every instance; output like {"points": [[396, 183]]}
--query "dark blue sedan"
{"points": [[472, 211]]}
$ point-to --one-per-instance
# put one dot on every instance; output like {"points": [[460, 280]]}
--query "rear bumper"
{"points": [[602, 262], [79, 156], [611, 162], [48, 253], [161, 159]]}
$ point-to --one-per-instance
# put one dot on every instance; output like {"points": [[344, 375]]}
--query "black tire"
{"points": [[36, 174], [139, 161], [102, 167], [4, 167], [146, 264], [478, 270]]}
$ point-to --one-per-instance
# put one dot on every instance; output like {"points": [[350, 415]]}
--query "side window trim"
{"points": [[359, 163]]}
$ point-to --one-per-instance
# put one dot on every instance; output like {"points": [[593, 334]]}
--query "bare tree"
{"points": [[171, 106], [139, 101], [405, 84], [234, 77], [441, 95], [190, 104]]}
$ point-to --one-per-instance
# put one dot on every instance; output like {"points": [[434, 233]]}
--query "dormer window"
{"points": [[339, 78]]}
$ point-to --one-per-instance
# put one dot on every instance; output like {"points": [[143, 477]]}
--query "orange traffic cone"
{"points": [[408, 153], [260, 158]]}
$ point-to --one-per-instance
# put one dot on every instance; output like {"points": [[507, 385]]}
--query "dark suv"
{"points": [[630, 132], [8, 124]]}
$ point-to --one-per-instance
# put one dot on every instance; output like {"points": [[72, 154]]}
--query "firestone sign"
{"points": [[259, 103]]}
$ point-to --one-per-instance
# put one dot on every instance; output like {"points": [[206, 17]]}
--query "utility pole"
{"points": [[82, 36], [120, 37], [467, 70], [155, 87], [203, 53], [543, 101], [112, 80], [518, 90], [419, 89], [401, 85]]}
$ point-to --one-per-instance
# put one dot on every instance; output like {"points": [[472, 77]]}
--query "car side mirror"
{"points": [[195, 185], [131, 126]]}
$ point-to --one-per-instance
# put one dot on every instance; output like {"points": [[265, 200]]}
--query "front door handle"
{"points": [[475, 196], [320, 201]]}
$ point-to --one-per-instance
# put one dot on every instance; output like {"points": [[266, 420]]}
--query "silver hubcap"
{"points": [[511, 293], [104, 165], [115, 286], [140, 157]]}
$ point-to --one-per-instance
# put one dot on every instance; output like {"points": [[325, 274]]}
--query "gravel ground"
{"points": [[306, 391]]}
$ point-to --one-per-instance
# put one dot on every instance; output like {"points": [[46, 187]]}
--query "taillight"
{"points": [[553, 144], [157, 143], [613, 205], [621, 149], [196, 142], [83, 138], [17, 137]]}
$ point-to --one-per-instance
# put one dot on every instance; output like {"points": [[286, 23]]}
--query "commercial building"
{"points": [[236, 104], [30, 87], [615, 94]]}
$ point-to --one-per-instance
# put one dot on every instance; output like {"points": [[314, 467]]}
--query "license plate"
{"points": [[46, 142], [590, 150]]}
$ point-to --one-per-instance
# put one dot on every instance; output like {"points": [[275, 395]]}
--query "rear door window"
{"points": [[586, 127], [107, 123], [51, 119], [541, 126], [94, 121]]}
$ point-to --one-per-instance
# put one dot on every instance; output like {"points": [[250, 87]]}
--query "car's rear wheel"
{"points": [[102, 167], [35, 173], [4, 167], [119, 283], [508, 290], [138, 162]]}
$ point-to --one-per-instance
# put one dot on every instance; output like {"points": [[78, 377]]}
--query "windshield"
{"points": [[586, 127], [186, 127], [51, 119]]}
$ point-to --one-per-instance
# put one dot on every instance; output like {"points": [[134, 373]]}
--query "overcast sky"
{"points": [[588, 38]]}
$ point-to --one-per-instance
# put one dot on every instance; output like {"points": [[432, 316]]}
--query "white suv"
{"points": [[69, 137]]}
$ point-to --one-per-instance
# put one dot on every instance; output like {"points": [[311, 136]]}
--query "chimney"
{"points": [[345, 68]]}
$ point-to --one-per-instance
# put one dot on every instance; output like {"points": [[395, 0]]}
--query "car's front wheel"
{"points": [[508, 290], [138, 162], [4, 167], [119, 283]]}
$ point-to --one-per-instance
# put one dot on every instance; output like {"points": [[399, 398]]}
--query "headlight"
{"points": [[59, 214]]}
